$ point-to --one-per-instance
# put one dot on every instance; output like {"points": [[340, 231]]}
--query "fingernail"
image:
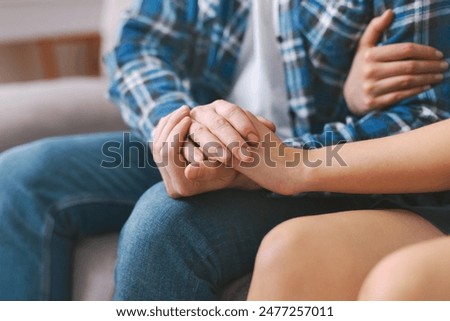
{"points": [[444, 65], [253, 137], [439, 54], [439, 77]]}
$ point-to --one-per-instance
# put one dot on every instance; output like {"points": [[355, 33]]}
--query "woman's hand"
{"points": [[384, 75]]}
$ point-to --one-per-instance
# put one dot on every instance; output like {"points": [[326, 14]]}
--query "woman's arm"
{"points": [[417, 161]]}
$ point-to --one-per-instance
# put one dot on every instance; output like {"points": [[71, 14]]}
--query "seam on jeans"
{"points": [[217, 287], [209, 253], [86, 199], [49, 226]]}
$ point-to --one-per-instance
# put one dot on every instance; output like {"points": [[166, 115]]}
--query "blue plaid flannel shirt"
{"points": [[176, 52]]}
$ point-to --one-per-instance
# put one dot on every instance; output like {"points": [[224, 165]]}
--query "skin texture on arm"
{"points": [[413, 162], [418, 161]]}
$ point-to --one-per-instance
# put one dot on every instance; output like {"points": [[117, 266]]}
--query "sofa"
{"points": [[73, 105]]}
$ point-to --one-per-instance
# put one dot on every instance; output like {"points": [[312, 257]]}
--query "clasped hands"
{"points": [[211, 147]]}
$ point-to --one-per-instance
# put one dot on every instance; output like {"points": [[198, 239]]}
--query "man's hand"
{"points": [[170, 138], [383, 76], [223, 130]]}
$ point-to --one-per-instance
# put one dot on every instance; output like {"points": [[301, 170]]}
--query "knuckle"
{"points": [[173, 194], [184, 191], [369, 72], [219, 123], [230, 111], [194, 111], [218, 102], [406, 82], [369, 56], [410, 67], [198, 130], [367, 88], [368, 103], [396, 98], [199, 109], [407, 49]]}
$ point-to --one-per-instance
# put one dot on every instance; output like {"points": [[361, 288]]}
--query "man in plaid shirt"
{"points": [[164, 44], [176, 53]]}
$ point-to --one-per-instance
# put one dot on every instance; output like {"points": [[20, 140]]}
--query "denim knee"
{"points": [[22, 171], [160, 224], [28, 173], [162, 251], [23, 223]]}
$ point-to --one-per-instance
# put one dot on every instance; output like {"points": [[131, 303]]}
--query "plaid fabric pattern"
{"points": [[180, 52]]}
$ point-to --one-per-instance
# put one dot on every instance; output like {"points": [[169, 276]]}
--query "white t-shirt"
{"points": [[259, 84]]}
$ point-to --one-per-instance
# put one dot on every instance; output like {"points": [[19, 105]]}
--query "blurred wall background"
{"points": [[28, 28], [21, 62]]}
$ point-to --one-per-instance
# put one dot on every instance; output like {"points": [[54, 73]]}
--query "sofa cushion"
{"points": [[38, 109], [93, 272]]}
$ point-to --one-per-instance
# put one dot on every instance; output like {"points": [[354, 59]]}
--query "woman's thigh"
{"points": [[327, 257]]}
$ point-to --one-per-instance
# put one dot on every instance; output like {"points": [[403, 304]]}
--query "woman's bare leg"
{"points": [[327, 257], [417, 272]]}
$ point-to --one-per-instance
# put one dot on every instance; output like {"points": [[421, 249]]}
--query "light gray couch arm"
{"points": [[33, 110]]}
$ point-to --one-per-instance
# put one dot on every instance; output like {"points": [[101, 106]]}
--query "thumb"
{"points": [[204, 171], [375, 29]]}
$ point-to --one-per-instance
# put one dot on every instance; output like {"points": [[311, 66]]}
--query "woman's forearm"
{"points": [[417, 161]]}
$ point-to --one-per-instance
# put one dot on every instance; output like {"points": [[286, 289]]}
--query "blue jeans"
{"points": [[55, 190]]}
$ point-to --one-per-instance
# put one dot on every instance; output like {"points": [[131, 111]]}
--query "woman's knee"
{"points": [[300, 249], [314, 258], [417, 272], [281, 244], [311, 237]]}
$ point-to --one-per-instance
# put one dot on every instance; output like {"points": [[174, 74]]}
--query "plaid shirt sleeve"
{"points": [[146, 68], [426, 22]]}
